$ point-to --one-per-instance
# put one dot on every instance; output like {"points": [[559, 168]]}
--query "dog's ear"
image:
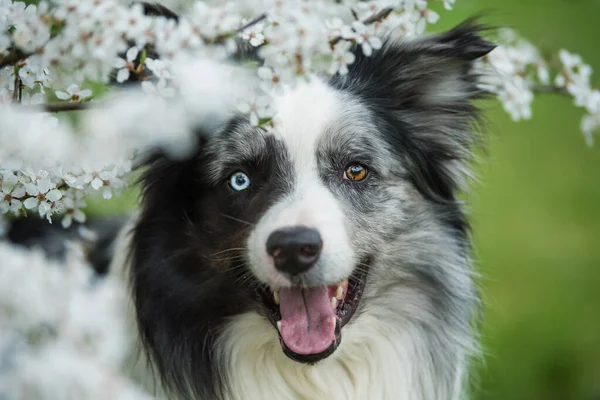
{"points": [[434, 71], [421, 92]]}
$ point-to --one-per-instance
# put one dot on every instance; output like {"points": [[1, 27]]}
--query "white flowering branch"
{"points": [[58, 45], [549, 89], [62, 107], [54, 339], [377, 17], [12, 57]]}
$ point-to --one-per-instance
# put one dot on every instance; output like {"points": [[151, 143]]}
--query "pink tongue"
{"points": [[307, 319]]}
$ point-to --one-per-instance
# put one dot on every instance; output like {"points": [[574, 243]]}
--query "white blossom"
{"points": [[126, 65], [158, 89], [575, 77], [75, 350], [11, 194], [508, 74], [73, 93], [590, 124], [295, 40], [254, 34], [34, 99], [365, 36], [337, 28], [273, 78], [448, 4], [159, 68], [341, 58], [257, 109]]}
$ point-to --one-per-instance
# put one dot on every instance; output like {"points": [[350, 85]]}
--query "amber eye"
{"points": [[355, 172]]}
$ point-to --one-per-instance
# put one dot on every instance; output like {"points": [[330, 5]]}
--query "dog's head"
{"points": [[353, 191]]}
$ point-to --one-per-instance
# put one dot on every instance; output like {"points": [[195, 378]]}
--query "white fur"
{"points": [[378, 359], [310, 204]]}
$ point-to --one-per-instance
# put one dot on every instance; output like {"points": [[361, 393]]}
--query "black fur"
{"points": [[185, 282], [52, 238]]}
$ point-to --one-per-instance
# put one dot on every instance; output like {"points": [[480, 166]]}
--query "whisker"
{"points": [[239, 257], [226, 250], [237, 266], [238, 220]]}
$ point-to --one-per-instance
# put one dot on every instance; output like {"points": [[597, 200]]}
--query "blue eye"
{"points": [[239, 181]]}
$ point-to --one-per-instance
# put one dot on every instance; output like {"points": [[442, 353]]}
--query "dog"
{"points": [[328, 257]]}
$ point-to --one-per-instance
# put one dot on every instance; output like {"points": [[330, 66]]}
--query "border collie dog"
{"points": [[328, 257]]}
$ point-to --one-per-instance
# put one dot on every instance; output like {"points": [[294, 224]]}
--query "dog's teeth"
{"points": [[276, 297], [339, 293], [334, 303], [279, 326]]}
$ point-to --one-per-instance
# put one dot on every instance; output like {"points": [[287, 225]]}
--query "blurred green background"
{"points": [[536, 218]]}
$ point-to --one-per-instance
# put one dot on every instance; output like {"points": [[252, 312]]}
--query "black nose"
{"points": [[294, 249]]}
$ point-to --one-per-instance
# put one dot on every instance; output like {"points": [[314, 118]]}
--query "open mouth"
{"points": [[310, 319]]}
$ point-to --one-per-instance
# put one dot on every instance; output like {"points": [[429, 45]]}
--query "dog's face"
{"points": [[315, 195], [310, 222]]}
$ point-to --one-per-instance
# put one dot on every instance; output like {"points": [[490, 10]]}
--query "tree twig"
{"points": [[380, 15], [549, 89], [16, 98], [251, 23], [377, 17], [12, 57], [61, 107], [224, 36]]}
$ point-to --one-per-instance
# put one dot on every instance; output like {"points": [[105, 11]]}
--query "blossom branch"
{"points": [[377, 17], [16, 98], [62, 107], [549, 89], [13, 57], [252, 22], [317, 43], [221, 38]]}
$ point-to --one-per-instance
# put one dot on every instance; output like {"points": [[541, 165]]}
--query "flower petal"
{"points": [[254, 119], [63, 95], [122, 75], [366, 49], [54, 195], [85, 93], [18, 192], [30, 203], [97, 183], [132, 53], [375, 42], [107, 193], [73, 89], [67, 221], [79, 216]]}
